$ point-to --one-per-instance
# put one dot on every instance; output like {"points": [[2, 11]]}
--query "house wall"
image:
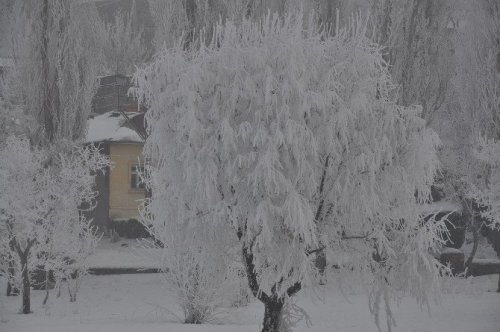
{"points": [[100, 214], [123, 200]]}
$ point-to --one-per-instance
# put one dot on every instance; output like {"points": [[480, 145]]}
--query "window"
{"points": [[136, 172]]}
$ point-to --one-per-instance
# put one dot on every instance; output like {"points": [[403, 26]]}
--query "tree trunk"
{"points": [[320, 263], [272, 303], [272, 316], [46, 287], [26, 309], [475, 234], [498, 289]]}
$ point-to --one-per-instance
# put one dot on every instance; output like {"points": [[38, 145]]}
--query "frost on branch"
{"points": [[291, 139], [487, 194], [41, 220]]}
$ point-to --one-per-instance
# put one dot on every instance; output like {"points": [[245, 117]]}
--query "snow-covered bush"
{"points": [[41, 206], [291, 140], [199, 271], [197, 281]]}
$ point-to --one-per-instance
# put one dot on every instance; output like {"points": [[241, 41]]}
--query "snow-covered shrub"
{"points": [[41, 206], [197, 283], [290, 139], [199, 272]]}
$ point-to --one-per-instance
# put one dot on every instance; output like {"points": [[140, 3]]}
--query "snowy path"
{"points": [[126, 303]]}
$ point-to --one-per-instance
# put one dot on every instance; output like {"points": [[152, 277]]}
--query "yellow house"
{"points": [[121, 191], [117, 128], [125, 188]]}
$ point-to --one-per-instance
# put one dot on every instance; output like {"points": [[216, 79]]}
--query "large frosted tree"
{"points": [[419, 36], [124, 47], [292, 140], [57, 58]]}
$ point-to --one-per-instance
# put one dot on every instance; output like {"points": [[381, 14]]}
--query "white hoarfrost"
{"points": [[57, 57], [290, 141], [42, 223], [488, 194]]}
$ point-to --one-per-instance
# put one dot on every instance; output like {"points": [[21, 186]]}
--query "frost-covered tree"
{"points": [[477, 97], [124, 47], [418, 35], [478, 83], [442, 56], [489, 194], [486, 194], [41, 216], [186, 19], [292, 140], [57, 60], [13, 120]]}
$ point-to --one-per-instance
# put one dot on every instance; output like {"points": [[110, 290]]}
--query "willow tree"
{"points": [[292, 140]]}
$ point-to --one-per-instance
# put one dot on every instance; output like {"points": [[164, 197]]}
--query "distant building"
{"points": [[117, 128]]}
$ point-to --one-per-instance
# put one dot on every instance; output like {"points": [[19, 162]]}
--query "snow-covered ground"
{"points": [[126, 303], [126, 253]]}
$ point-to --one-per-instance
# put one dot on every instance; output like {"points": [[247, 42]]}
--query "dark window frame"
{"points": [[135, 172]]}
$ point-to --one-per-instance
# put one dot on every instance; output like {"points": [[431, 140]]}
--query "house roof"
{"points": [[114, 127], [112, 95]]}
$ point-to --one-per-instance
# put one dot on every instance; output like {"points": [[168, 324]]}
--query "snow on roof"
{"points": [[110, 127]]}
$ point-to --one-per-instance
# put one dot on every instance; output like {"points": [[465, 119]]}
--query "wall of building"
{"points": [[100, 214], [123, 200]]}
